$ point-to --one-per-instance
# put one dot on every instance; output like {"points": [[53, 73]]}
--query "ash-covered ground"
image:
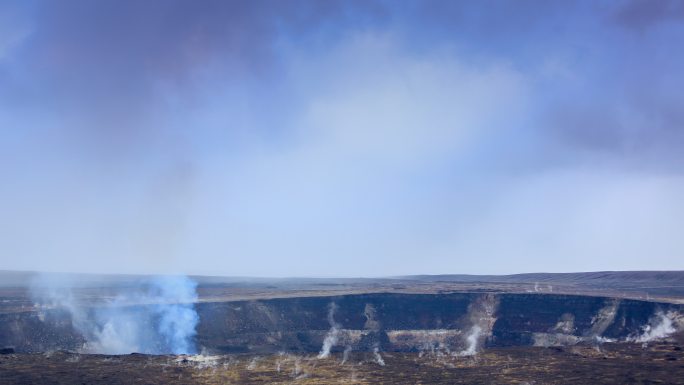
{"points": [[661, 363]]}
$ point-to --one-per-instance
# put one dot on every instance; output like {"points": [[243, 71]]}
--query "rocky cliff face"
{"points": [[458, 323]]}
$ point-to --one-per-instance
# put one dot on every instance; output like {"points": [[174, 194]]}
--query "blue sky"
{"points": [[329, 138]]}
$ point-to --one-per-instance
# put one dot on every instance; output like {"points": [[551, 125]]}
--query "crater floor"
{"points": [[661, 363]]}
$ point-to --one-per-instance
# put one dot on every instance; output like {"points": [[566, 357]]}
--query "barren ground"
{"points": [[611, 364]]}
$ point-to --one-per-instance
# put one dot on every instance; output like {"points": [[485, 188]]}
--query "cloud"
{"points": [[414, 108], [595, 216], [642, 14], [360, 148], [362, 138], [12, 35]]}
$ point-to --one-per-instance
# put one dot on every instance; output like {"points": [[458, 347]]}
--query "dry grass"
{"points": [[613, 364]]}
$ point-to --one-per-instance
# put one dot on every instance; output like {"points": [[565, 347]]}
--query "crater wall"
{"points": [[456, 322]]}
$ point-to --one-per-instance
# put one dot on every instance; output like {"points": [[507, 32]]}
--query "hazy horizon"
{"points": [[57, 272], [341, 138]]}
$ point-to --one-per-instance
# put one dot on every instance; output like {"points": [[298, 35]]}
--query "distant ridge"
{"points": [[602, 277], [620, 278]]}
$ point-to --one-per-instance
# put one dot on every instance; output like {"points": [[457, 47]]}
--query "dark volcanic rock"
{"points": [[615, 364], [388, 321]]}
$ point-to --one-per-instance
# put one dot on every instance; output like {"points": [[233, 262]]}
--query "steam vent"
{"points": [[341, 192], [458, 322], [248, 326]]}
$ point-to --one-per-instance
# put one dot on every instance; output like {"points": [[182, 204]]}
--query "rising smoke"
{"points": [[157, 316], [333, 334], [345, 355], [481, 314], [472, 341], [377, 356], [660, 326]]}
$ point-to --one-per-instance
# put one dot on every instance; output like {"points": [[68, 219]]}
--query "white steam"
{"points": [[472, 341], [661, 326], [481, 313], [377, 356], [345, 355], [156, 317], [333, 334]]}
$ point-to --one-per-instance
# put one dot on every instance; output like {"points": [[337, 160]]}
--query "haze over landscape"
{"points": [[341, 139], [341, 192]]}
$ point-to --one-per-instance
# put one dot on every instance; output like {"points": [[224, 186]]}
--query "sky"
{"points": [[341, 138]]}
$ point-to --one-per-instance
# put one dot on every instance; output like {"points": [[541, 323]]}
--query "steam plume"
{"points": [[345, 355], [157, 317], [482, 317], [661, 326], [471, 341], [333, 334], [378, 357]]}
